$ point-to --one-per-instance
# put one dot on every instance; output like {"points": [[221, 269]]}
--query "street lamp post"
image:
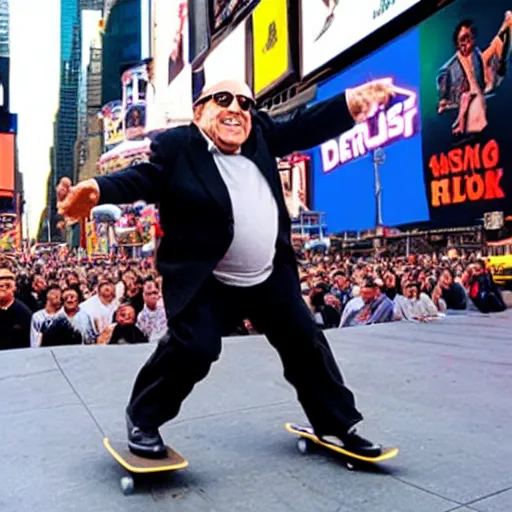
{"points": [[379, 157]]}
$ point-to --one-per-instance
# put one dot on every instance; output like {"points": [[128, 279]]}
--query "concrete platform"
{"points": [[442, 392]]}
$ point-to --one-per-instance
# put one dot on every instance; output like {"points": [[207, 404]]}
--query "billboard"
{"points": [[330, 27], [443, 143], [231, 50], [229, 12], [199, 30], [135, 84], [270, 44], [4, 83], [112, 116], [294, 174], [343, 168], [7, 164], [466, 85], [10, 232]]}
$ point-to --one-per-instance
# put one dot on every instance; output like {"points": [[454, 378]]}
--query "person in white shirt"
{"points": [[152, 320], [102, 306], [43, 318]]}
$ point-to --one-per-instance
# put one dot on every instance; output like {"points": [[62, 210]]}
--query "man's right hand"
{"points": [[75, 203]]}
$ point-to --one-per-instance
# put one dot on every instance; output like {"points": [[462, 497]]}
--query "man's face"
{"points": [[125, 315], [151, 295], [54, 298], [368, 294], [411, 292], [222, 117], [39, 284], [107, 292], [70, 299], [466, 41], [7, 289]]}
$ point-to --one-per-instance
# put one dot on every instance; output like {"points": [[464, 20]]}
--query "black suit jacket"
{"points": [[195, 208]]}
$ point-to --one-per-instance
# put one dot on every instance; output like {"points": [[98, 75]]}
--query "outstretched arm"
{"points": [[145, 181], [327, 119]]}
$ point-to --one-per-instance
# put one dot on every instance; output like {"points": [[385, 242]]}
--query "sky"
{"points": [[35, 32]]}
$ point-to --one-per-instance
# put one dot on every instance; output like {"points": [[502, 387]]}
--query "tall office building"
{"points": [[4, 28], [65, 132]]}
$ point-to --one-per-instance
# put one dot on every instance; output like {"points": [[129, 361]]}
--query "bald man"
{"points": [[226, 253]]}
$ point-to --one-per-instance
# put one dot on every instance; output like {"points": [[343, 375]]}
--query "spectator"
{"points": [[371, 307], [71, 325], [448, 294], [123, 330], [414, 305], [482, 289], [102, 306], [152, 320], [42, 319], [14, 315]]}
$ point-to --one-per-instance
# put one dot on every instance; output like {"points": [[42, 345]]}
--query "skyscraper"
{"points": [[67, 114], [4, 28]]}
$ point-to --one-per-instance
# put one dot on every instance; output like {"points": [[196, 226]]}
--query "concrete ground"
{"points": [[438, 391]]}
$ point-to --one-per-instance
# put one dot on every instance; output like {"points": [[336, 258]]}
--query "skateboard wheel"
{"points": [[303, 446], [350, 466], [127, 484]]}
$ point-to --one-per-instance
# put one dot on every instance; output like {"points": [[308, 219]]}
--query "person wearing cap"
{"points": [[226, 252], [15, 317]]}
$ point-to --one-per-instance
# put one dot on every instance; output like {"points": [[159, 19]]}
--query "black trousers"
{"points": [[275, 308]]}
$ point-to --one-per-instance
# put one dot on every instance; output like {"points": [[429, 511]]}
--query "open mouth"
{"points": [[230, 121]]}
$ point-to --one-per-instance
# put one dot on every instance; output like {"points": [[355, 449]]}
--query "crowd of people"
{"points": [[343, 292], [55, 300]]}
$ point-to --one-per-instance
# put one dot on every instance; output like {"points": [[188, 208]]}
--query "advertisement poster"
{"points": [[271, 56], [343, 168], [135, 85], [7, 159], [121, 157], [466, 108], [226, 11], [294, 174], [199, 31], [10, 238], [112, 114], [232, 50], [177, 58], [330, 27]]}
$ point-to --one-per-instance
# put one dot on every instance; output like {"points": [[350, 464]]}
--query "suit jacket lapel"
{"points": [[206, 171]]}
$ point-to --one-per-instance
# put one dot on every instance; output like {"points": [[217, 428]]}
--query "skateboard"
{"points": [[307, 440], [136, 465]]}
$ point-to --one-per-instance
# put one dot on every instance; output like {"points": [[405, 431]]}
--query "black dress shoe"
{"points": [[361, 446], [145, 442], [353, 442]]}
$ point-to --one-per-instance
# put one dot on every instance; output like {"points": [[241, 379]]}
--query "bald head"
{"points": [[222, 111], [233, 86]]}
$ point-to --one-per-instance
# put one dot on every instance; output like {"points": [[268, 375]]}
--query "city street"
{"points": [[441, 392]]}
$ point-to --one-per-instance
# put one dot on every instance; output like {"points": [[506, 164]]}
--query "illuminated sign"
{"points": [[399, 121], [271, 59], [331, 28], [469, 173]]}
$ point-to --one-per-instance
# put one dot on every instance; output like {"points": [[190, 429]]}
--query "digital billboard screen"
{"points": [[444, 139], [7, 164], [330, 27]]}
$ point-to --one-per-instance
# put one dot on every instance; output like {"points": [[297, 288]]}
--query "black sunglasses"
{"points": [[224, 99]]}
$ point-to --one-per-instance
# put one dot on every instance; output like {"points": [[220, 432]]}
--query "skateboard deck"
{"points": [[142, 465], [307, 437]]}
